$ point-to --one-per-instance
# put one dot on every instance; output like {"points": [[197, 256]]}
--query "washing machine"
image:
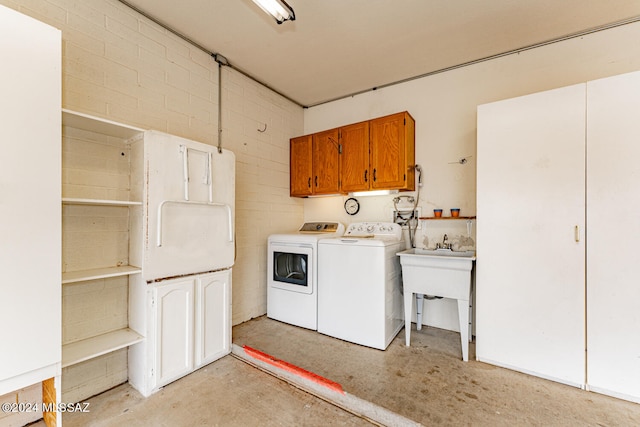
{"points": [[292, 273], [359, 284]]}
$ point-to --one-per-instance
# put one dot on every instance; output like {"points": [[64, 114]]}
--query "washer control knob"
{"points": [[370, 228]]}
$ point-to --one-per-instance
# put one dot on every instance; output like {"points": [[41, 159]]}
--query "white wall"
{"points": [[444, 108]]}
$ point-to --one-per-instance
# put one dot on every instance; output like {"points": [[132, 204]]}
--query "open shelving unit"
{"points": [[99, 162], [99, 345]]}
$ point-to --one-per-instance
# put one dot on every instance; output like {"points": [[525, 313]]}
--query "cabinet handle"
{"points": [[365, 175], [577, 233], [309, 183], [316, 181], [374, 175]]}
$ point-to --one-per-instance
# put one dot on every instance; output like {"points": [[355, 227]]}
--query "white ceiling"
{"points": [[336, 48]]}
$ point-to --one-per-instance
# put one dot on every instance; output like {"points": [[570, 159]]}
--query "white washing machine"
{"points": [[359, 284], [292, 273]]}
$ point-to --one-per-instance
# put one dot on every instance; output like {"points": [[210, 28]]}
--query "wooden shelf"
{"points": [[98, 202], [447, 217], [89, 348], [98, 273]]}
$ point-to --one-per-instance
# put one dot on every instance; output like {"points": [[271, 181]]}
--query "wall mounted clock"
{"points": [[352, 206]]}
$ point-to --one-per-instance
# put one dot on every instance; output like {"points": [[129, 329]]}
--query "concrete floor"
{"points": [[228, 392], [427, 383]]}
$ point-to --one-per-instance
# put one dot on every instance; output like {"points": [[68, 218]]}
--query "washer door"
{"points": [[290, 267]]}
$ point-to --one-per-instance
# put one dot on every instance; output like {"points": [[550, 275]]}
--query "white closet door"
{"points": [[30, 194], [530, 269], [613, 254]]}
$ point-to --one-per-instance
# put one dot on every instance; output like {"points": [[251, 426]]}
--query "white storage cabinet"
{"points": [[189, 326], [558, 195], [530, 275], [613, 230]]}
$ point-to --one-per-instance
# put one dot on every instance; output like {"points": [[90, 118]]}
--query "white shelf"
{"points": [[89, 348], [96, 124], [99, 273], [98, 202]]}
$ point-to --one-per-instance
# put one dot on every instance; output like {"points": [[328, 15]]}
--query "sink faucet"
{"points": [[444, 244]]}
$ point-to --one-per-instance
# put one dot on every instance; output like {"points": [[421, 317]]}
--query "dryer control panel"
{"points": [[321, 227]]}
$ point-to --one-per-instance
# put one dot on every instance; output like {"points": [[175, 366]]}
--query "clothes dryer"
{"points": [[292, 273]]}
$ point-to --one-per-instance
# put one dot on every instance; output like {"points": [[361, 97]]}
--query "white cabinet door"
{"points": [[613, 206], [213, 317], [189, 207], [531, 269], [30, 213], [173, 303]]}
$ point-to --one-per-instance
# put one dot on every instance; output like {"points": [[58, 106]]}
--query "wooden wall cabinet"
{"points": [[392, 152], [301, 169], [377, 154], [326, 160], [354, 160], [314, 164]]}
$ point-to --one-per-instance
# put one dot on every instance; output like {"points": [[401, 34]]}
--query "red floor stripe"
{"points": [[256, 354]]}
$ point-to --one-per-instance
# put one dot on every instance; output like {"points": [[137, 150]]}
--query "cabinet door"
{"points": [[326, 178], [301, 170], [530, 272], [392, 152], [173, 312], [30, 231], [613, 202], [354, 160], [213, 317], [183, 238]]}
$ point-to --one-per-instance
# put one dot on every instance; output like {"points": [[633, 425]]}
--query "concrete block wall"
{"points": [[119, 65], [93, 308], [263, 205], [97, 167], [94, 376], [94, 166], [28, 395]]}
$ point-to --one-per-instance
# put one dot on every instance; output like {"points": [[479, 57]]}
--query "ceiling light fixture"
{"points": [[279, 9]]}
